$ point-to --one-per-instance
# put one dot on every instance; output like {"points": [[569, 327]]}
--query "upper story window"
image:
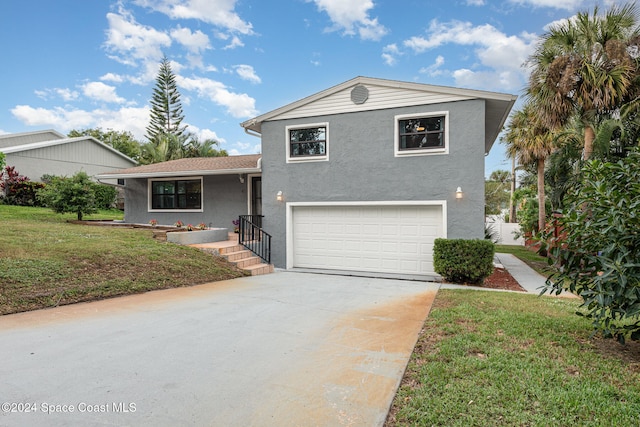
{"points": [[307, 142], [177, 194], [422, 134]]}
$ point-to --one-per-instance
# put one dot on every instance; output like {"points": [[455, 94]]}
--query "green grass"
{"points": [[46, 261], [505, 359], [531, 258]]}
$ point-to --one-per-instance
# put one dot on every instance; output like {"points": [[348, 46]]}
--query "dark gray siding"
{"points": [[362, 167], [225, 197]]}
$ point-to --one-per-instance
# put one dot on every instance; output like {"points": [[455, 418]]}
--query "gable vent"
{"points": [[359, 94]]}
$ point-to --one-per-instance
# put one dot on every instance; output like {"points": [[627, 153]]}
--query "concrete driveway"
{"points": [[285, 349]]}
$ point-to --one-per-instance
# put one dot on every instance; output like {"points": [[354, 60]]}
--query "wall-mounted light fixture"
{"points": [[459, 193], [279, 196], [241, 178]]}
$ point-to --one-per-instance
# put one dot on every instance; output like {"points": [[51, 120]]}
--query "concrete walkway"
{"points": [[283, 349], [532, 281]]}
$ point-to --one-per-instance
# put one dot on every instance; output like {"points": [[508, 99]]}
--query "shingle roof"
{"points": [[192, 166]]}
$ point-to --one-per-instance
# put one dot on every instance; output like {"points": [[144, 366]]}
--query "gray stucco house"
{"points": [[363, 176], [48, 152]]}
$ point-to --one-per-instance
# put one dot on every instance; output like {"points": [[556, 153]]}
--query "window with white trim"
{"points": [[422, 134], [176, 194], [307, 142]]}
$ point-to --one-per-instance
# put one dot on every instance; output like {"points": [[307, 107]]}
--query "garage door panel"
{"points": [[391, 239]]}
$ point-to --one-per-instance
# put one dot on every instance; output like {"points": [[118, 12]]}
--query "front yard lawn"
{"points": [[508, 359], [46, 261]]}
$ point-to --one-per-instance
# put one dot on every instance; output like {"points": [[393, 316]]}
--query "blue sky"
{"points": [[76, 64]]}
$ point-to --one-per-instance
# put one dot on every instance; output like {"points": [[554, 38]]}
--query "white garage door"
{"points": [[383, 238]]}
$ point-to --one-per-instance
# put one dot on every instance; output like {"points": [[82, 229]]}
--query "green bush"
{"points": [[73, 194], [463, 261], [597, 254], [105, 196]]}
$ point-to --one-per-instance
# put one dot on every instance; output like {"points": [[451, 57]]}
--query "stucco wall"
{"points": [[225, 197], [362, 167]]}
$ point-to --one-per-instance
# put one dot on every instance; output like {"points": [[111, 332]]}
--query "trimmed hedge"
{"points": [[463, 261]]}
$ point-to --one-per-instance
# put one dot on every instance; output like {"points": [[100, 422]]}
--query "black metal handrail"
{"points": [[253, 237]]}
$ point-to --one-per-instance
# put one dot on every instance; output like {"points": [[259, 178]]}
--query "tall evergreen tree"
{"points": [[166, 109]]}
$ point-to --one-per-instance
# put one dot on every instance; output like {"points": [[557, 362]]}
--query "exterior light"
{"points": [[279, 196], [459, 193]]}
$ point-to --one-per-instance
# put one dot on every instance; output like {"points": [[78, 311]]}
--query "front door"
{"points": [[256, 195]]}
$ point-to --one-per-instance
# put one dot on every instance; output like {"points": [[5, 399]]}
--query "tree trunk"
{"points": [[512, 204], [542, 215], [589, 137]]}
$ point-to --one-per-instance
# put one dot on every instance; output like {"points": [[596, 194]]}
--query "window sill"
{"points": [[430, 152], [307, 159], [175, 210]]}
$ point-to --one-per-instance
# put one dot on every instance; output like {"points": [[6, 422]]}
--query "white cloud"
{"points": [[195, 42], [111, 77], [475, 2], [239, 105], [204, 134], [434, 69], [501, 54], [234, 43], [246, 72], [130, 42], [488, 80], [101, 92], [390, 53], [64, 93], [220, 13], [129, 119], [564, 4], [352, 17]]}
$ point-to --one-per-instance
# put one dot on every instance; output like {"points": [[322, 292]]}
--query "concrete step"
{"points": [[239, 255], [230, 249], [258, 269], [246, 262]]}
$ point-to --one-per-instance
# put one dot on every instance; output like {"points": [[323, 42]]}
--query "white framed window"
{"points": [[175, 194], [421, 134], [308, 142]]}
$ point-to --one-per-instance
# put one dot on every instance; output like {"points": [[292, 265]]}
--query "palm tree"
{"points": [[166, 147], [586, 66], [206, 148], [530, 141]]}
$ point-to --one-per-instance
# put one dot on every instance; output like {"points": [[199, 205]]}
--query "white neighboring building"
{"points": [[49, 152]]}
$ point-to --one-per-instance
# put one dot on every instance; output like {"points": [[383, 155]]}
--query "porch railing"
{"points": [[253, 237]]}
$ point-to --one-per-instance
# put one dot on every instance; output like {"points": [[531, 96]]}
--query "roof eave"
{"points": [[54, 142], [172, 174], [496, 129], [255, 123]]}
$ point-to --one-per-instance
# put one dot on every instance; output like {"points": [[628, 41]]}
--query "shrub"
{"points": [[105, 195], [597, 254], [23, 193], [463, 261], [73, 194], [18, 189]]}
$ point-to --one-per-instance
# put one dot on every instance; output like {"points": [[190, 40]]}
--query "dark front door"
{"points": [[256, 195]]}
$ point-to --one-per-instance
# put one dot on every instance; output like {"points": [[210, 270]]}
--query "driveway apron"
{"points": [[285, 349]]}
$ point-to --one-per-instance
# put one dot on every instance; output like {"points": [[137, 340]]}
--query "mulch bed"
{"points": [[502, 279]]}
